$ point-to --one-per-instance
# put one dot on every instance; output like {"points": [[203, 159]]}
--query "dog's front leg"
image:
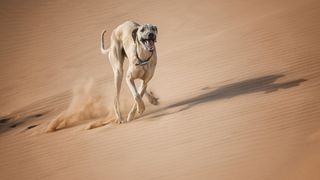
{"points": [[135, 94], [133, 110]]}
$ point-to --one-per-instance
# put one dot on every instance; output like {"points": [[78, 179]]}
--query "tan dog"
{"points": [[137, 44]]}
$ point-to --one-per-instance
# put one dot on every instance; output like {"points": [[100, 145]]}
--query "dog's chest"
{"points": [[142, 72]]}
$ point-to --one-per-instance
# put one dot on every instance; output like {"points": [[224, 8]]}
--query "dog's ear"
{"points": [[155, 28], [134, 34]]}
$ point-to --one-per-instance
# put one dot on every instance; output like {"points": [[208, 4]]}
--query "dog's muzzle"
{"points": [[150, 42]]}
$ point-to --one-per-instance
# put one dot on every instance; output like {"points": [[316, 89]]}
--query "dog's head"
{"points": [[146, 35]]}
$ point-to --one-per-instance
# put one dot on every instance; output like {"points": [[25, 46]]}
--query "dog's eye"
{"points": [[142, 29]]}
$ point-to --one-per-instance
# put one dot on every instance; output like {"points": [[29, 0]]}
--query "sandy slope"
{"points": [[238, 84]]}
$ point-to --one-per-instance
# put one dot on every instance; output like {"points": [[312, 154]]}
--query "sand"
{"points": [[238, 83]]}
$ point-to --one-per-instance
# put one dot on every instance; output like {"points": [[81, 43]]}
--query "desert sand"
{"points": [[237, 81]]}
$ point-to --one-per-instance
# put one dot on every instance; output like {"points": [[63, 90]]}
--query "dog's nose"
{"points": [[151, 36]]}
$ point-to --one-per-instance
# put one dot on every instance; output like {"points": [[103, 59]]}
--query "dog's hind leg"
{"points": [[118, 74], [116, 60]]}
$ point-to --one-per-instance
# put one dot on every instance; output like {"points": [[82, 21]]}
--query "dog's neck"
{"points": [[142, 52]]}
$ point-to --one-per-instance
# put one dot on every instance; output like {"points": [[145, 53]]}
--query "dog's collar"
{"points": [[142, 62]]}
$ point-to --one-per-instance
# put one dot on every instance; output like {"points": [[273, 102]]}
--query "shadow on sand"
{"points": [[261, 84], [36, 112]]}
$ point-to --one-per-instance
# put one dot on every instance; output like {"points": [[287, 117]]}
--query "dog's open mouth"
{"points": [[149, 44]]}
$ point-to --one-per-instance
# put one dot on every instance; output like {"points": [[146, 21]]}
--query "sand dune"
{"points": [[238, 84]]}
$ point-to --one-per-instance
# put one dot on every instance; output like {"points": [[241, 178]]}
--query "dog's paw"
{"points": [[152, 99], [120, 121], [141, 108], [140, 104]]}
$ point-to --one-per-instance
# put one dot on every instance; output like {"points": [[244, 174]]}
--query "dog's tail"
{"points": [[103, 50]]}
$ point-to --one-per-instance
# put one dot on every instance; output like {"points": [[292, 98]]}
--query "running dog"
{"points": [[137, 44]]}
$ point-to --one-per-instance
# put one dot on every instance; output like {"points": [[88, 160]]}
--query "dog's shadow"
{"points": [[261, 84]]}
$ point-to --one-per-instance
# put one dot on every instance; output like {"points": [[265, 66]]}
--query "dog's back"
{"points": [[123, 32]]}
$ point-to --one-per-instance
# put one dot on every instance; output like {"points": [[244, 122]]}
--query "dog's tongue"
{"points": [[150, 44]]}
